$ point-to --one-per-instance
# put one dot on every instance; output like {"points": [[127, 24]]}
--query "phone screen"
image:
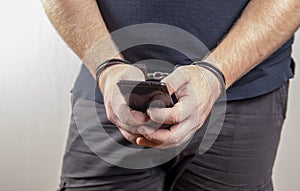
{"points": [[141, 95]]}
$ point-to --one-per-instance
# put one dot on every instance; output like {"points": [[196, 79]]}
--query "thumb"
{"points": [[175, 80]]}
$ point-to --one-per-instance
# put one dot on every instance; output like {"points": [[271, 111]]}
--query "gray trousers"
{"points": [[241, 158]]}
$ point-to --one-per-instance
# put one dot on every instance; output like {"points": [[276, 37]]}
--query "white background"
{"points": [[37, 71]]}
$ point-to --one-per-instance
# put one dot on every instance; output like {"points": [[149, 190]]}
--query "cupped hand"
{"points": [[196, 89], [117, 110]]}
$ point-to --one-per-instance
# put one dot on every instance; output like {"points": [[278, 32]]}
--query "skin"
{"points": [[262, 28]]}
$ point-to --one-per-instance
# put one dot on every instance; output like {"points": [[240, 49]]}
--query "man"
{"points": [[251, 47]]}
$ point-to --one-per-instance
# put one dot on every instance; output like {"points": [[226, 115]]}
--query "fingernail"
{"points": [[141, 130], [145, 130], [148, 112], [138, 140]]}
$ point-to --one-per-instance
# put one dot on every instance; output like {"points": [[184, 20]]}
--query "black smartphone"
{"points": [[141, 95]]}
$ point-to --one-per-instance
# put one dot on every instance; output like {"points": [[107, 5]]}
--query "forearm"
{"points": [[262, 28], [81, 25]]}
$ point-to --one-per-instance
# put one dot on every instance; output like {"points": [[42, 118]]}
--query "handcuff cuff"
{"points": [[158, 75]]}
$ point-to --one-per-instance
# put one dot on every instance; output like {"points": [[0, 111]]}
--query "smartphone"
{"points": [[140, 95]]}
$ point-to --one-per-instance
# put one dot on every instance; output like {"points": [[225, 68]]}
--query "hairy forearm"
{"points": [[80, 24], [262, 28]]}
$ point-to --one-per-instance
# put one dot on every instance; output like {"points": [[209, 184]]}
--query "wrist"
{"points": [[216, 62], [108, 63], [215, 74], [213, 84], [111, 75]]}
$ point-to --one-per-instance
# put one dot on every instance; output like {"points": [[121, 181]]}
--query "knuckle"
{"points": [[201, 121], [111, 118], [177, 144], [124, 119], [126, 130], [129, 129], [130, 138], [108, 101], [182, 141], [175, 117], [158, 118], [175, 140], [148, 137]]}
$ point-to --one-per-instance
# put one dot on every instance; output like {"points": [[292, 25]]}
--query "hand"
{"points": [[118, 112], [196, 89]]}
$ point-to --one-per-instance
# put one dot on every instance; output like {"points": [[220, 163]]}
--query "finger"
{"points": [[182, 130], [174, 135], [183, 109], [144, 142], [175, 80], [140, 116], [182, 142], [151, 127], [110, 115], [128, 122], [157, 137], [129, 136], [130, 117], [125, 114]]}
